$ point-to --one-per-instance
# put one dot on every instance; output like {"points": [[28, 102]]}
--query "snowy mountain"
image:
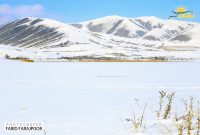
{"points": [[114, 25], [150, 28], [40, 33], [111, 37]]}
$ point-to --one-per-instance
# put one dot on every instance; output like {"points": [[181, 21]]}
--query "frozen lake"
{"points": [[87, 98]]}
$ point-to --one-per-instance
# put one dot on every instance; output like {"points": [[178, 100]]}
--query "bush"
{"points": [[167, 121]]}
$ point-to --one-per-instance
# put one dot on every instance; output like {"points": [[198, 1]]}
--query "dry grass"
{"points": [[138, 122], [168, 98], [198, 120], [169, 105], [88, 60], [189, 116], [186, 122], [27, 60], [162, 95]]}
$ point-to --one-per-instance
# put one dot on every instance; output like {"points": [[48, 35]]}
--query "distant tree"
{"points": [[7, 56]]}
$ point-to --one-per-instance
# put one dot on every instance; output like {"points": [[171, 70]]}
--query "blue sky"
{"points": [[82, 10]]}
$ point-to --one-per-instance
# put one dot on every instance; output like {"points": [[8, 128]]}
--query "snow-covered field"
{"points": [[88, 98]]}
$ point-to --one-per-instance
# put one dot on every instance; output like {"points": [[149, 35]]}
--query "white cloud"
{"points": [[7, 12]]}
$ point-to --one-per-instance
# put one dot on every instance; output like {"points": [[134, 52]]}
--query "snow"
{"points": [[153, 19], [109, 22], [159, 34], [96, 50], [161, 29], [192, 33], [71, 33], [96, 98], [89, 98], [106, 21], [81, 42]]}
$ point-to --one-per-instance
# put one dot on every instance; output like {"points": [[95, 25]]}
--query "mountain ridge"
{"points": [[131, 27], [112, 37]]}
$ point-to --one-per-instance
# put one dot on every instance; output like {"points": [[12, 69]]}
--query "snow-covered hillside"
{"points": [[40, 33], [136, 28], [111, 37], [188, 40]]}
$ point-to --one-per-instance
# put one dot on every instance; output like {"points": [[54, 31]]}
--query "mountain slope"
{"points": [[40, 33], [188, 40], [150, 28], [115, 25]]}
